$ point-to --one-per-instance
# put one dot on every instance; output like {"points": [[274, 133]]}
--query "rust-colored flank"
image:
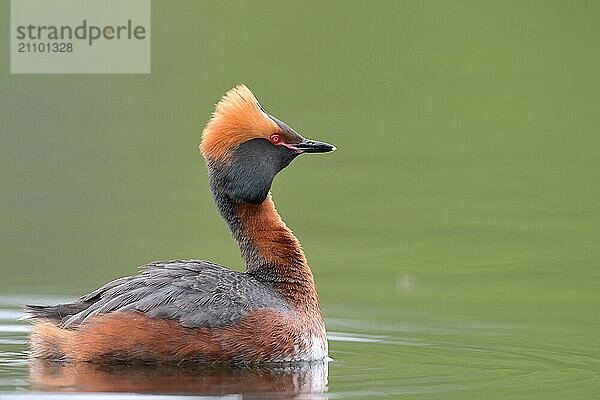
{"points": [[132, 336]]}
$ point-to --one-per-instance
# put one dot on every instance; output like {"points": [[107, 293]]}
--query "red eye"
{"points": [[275, 138]]}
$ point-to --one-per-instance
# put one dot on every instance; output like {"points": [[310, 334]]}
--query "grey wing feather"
{"points": [[195, 293]]}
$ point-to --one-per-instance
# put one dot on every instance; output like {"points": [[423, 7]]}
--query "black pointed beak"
{"points": [[312, 146]]}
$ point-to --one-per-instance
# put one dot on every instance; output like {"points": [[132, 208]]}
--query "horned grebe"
{"points": [[176, 311]]}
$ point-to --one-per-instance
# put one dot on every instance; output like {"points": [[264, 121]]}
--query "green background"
{"points": [[458, 221]]}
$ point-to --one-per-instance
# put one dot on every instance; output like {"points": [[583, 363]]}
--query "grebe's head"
{"points": [[245, 147]]}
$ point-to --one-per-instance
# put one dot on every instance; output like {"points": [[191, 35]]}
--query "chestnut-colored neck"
{"points": [[272, 253]]}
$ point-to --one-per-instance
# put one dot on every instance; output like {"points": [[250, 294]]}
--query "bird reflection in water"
{"points": [[280, 380]]}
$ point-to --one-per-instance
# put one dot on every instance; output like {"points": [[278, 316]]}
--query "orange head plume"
{"points": [[245, 147], [238, 117]]}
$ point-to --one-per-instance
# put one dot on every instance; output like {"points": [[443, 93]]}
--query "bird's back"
{"points": [[195, 293]]}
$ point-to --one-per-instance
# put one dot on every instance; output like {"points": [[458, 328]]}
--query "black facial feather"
{"points": [[253, 167]]}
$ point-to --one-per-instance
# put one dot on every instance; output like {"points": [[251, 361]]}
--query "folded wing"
{"points": [[195, 293]]}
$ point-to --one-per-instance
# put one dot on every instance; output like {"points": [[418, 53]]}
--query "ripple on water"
{"points": [[479, 357], [10, 315]]}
